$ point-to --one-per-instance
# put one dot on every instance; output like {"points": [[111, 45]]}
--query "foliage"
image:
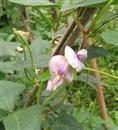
{"points": [[30, 30]]}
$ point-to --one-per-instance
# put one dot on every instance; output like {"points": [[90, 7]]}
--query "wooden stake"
{"points": [[100, 95]]}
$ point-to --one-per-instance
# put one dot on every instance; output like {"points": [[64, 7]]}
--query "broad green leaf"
{"points": [[7, 67], [110, 37], [40, 3], [74, 4], [27, 119], [40, 54], [6, 49], [84, 117], [88, 79], [95, 51], [9, 91], [3, 114], [66, 122]]}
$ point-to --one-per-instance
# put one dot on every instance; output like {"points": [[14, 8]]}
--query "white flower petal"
{"points": [[69, 54], [49, 85], [72, 59]]}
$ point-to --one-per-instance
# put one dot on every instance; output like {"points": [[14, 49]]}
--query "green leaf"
{"points": [[40, 54], [8, 93], [115, 1], [66, 122], [110, 37], [27, 119], [95, 51], [6, 50], [88, 79], [44, 76], [7, 67], [2, 75], [84, 117], [81, 3], [39, 3]]}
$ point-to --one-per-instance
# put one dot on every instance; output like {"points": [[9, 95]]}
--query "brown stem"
{"points": [[100, 94], [64, 38], [26, 23], [72, 33]]}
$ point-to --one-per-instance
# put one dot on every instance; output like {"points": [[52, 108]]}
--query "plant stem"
{"points": [[56, 106], [54, 94], [100, 94], [30, 95], [101, 12], [114, 16], [25, 42], [104, 73], [44, 17], [73, 35]]}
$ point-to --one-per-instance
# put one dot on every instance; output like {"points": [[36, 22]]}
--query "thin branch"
{"points": [[67, 34], [64, 38], [26, 22], [71, 40], [100, 95]]}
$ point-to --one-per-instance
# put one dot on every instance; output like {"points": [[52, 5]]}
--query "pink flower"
{"points": [[60, 70], [60, 67], [75, 59]]}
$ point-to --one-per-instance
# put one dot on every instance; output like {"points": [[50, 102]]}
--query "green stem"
{"points": [[104, 73], [57, 23], [38, 95], [24, 43], [28, 76], [29, 49], [101, 12], [105, 22], [31, 57], [54, 94], [44, 17], [53, 108]]}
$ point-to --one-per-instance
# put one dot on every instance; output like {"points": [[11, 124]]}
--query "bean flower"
{"points": [[75, 59], [60, 70], [60, 67]]}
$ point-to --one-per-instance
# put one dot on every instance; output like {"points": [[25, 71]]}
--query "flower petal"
{"points": [[82, 54], [59, 82], [49, 85], [69, 74], [56, 64], [72, 59], [78, 65], [69, 54], [54, 83]]}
